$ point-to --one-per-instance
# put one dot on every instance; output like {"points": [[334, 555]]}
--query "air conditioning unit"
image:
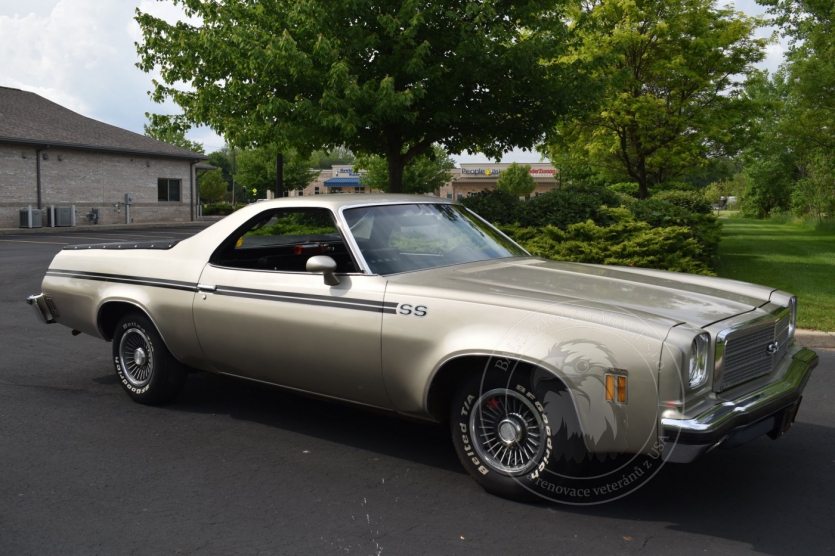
{"points": [[37, 218], [63, 216]]}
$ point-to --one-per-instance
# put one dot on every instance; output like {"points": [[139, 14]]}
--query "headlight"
{"points": [[698, 359], [793, 316]]}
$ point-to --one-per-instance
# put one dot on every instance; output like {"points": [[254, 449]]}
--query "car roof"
{"points": [[335, 202]]}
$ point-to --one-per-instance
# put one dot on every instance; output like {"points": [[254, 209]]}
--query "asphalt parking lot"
{"points": [[233, 468]]}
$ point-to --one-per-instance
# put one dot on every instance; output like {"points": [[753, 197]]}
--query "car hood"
{"points": [[667, 297]]}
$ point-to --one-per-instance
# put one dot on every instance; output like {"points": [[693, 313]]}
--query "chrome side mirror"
{"points": [[322, 264]]}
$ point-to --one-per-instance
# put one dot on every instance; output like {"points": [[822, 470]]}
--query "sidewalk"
{"points": [[204, 222], [815, 339]]}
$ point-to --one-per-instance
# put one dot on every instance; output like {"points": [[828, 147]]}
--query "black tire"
{"points": [[146, 369], [486, 402]]}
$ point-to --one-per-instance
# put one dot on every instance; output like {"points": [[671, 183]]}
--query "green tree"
{"points": [[222, 159], [668, 68], [212, 186], [516, 179], [814, 193], [810, 69], [326, 160], [385, 77], [733, 187], [423, 174], [807, 114], [173, 132], [257, 170], [769, 161]]}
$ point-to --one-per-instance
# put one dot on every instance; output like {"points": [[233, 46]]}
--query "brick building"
{"points": [[50, 155], [341, 178], [474, 177], [468, 179]]}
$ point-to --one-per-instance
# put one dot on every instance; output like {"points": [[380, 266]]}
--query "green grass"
{"points": [[788, 256]]}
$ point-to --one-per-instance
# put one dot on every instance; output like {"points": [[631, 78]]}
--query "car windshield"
{"points": [[403, 238]]}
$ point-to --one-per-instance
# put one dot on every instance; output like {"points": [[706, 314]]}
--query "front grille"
{"points": [[745, 354]]}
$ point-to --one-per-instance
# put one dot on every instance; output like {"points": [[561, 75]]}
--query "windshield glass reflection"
{"points": [[403, 238]]}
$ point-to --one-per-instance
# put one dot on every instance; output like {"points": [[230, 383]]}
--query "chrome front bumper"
{"points": [[769, 410], [44, 307]]}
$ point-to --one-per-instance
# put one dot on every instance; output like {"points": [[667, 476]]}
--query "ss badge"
{"points": [[417, 310]]}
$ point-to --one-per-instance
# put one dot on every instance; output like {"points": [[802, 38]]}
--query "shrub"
{"points": [[704, 228], [692, 201], [673, 230], [671, 186], [498, 207], [627, 188], [570, 205], [220, 209], [626, 242]]}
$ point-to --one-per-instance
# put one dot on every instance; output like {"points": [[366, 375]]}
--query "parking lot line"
{"points": [[176, 233], [25, 241], [74, 236]]}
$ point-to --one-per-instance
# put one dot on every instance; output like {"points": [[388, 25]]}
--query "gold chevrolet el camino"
{"points": [[414, 305]]}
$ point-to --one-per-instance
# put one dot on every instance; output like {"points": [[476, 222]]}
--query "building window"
{"points": [[460, 195], [168, 190], [449, 195], [316, 190]]}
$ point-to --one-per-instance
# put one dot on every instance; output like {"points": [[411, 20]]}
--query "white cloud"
{"points": [[81, 54], [516, 155]]}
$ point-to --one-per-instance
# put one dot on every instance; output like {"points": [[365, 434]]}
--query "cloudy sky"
{"points": [[81, 54]]}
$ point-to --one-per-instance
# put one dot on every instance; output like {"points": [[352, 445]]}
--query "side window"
{"points": [[283, 240], [168, 190]]}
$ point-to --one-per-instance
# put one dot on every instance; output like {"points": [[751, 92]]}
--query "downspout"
{"points": [[38, 171], [197, 202], [193, 200]]}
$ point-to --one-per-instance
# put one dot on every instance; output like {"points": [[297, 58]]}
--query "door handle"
{"points": [[206, 287]]}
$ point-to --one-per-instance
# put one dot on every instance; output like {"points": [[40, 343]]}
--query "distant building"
{"points": [[473, 177], [50, 155], [341, 178], [466, 180]]}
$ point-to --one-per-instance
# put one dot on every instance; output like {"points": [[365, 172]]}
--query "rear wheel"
{"points": [[146, 369]]}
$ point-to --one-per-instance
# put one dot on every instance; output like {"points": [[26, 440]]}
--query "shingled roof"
{"points": [[31, 119]]}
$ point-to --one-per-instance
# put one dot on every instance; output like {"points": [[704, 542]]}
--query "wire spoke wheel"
{"points": [[136, 357], [507, 431]]}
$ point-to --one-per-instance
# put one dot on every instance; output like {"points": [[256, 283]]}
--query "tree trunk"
{"points": [[643, 191], [394, 157]]}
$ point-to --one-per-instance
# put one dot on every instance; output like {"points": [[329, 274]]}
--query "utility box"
{"points": [[63, 217], [37, 218], [128, 198]]}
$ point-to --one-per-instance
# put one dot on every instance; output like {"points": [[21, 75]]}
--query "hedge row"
{"points": [[219, 209], [673, 230]]}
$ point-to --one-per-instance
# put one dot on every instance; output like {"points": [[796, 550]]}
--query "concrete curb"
{"points": [[87, 228], [815, 339]]}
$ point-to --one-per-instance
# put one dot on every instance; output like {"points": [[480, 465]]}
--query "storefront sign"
{"points": [[481, 171], [497, 171], [347, 171]]}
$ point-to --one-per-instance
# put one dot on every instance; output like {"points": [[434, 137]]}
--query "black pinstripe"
{"points": [[265, 295]]}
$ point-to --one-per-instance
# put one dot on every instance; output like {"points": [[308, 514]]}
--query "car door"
{"points": [[259, 314]]}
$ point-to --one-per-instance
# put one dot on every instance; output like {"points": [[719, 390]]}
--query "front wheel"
{"points": [[146, 369], [501, 433]]}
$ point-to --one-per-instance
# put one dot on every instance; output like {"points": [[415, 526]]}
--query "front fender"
{"points": [[580, 349]]}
